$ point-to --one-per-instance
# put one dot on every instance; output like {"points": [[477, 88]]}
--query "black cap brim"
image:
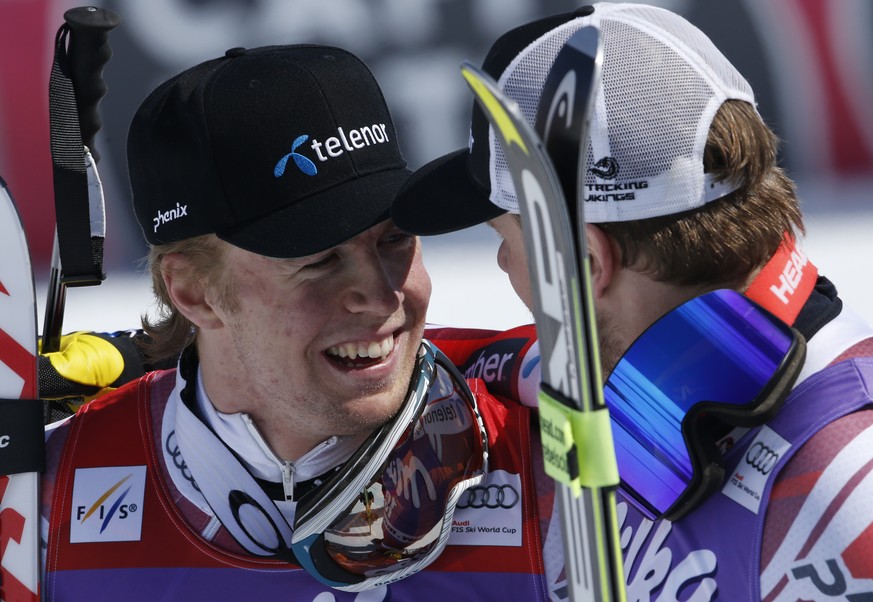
{"points": [[452, 192], [442, 197], [322, 221]]}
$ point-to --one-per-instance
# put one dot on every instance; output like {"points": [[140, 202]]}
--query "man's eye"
{"points": [[398, 238], [321, 263]]}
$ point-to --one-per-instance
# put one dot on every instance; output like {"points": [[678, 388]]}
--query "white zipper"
{"points": [[288, 480], [287, 468]]}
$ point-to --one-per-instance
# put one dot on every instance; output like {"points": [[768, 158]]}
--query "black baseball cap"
{"points": [[452, 192], [284, 151]]}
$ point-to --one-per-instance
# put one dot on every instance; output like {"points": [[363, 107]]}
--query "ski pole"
{"points": [[75, 90]]}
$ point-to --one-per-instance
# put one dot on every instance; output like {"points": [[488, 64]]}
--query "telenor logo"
{"points": [[107, 504], [335, 146], [303, 163]]}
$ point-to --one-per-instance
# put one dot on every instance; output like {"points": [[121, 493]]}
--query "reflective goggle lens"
{"points": [[718, 354], [399, 521]]}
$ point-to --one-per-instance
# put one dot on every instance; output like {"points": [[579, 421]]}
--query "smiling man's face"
{"points": [[325, 342]]}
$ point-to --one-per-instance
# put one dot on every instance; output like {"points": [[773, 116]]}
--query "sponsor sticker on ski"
{"points": [[107, 504], [490, 513]]}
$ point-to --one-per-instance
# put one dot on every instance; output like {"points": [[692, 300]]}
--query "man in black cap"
{"points": [[308, 439]]}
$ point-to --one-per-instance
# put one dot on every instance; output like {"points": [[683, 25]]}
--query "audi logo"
{"points": [[489, 496], [175, 453], [761, 458]]}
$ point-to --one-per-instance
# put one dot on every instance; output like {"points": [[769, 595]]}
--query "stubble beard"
{"points": [[612, 346], [371, 407]]}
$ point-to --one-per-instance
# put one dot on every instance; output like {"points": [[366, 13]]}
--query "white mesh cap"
{"points": [[662, 82]]}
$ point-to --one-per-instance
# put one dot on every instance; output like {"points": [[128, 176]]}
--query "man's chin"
{"points": [[367, 414]]}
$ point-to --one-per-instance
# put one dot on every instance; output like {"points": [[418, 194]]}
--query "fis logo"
{"points": [[107, 504], [334, 146]]}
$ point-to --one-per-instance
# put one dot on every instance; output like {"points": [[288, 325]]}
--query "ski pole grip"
{"points": [[88, 53]]}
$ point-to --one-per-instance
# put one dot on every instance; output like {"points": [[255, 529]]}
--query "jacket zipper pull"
{"points": [[288, 480]]}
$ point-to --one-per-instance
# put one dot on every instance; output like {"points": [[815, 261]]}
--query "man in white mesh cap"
{"points": [[686, 208]]}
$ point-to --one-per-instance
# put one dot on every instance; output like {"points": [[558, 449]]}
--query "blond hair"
{"points": [[170, 331]]}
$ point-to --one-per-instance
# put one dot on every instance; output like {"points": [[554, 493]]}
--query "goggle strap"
{"points": [[578, 450], [708, 479], [704, 455], [772, 397], [310, 544], [314, 510]]}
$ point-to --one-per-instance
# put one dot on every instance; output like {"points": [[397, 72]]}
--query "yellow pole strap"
{"points": [[577, 446]]}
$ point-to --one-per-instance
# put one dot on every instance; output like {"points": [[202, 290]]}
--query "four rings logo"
{"points": [[761, 457], [490, 496], [756, 467]]}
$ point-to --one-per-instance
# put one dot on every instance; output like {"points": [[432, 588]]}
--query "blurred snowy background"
{"points": [[810, 62], [470, 290]]}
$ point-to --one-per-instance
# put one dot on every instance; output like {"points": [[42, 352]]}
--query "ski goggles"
{"points": [[387, 513], [716, 362]]}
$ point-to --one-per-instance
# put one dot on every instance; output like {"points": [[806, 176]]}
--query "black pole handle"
{"points": [[88, 53], [81, 51]]}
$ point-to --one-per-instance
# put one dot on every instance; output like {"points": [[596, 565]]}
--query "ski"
{"points": [[574, 423], [22, 454], [75, 88]]}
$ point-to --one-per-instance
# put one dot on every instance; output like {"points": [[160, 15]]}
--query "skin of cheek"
{"points": [[512, 259], [511, 256]]}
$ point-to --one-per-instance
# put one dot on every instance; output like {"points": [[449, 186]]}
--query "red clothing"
{"points": [[127, 532]]}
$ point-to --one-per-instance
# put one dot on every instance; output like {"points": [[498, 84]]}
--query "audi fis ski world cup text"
{"points": [[490, 496]]}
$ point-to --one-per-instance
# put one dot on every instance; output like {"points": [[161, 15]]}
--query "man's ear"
{"points": [[188, 291], [605, 258]]}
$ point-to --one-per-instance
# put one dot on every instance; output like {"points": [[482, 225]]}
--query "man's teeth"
{"points": [[374, 349]]}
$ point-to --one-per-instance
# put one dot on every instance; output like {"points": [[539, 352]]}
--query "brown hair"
{"points": [[170, 331], [722, 242]]}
